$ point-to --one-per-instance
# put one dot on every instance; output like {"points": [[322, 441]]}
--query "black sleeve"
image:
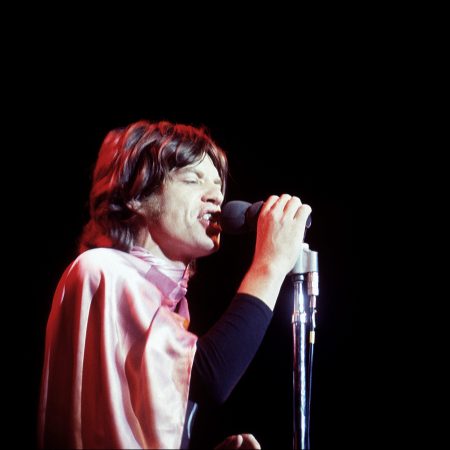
{"points": [[225, 351]]}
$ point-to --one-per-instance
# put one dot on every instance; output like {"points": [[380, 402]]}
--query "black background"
{"points": [[278, 140], [339, 108]]}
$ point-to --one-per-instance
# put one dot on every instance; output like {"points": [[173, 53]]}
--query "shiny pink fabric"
{"points": [[118, 356]]}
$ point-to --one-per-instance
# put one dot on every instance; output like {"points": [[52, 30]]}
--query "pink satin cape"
{"points": [[118, 356]]}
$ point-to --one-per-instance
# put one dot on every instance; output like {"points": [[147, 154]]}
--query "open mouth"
{"points": [[211, 221]]}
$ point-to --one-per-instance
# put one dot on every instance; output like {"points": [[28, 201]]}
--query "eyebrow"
{"points": [[198, 173]]}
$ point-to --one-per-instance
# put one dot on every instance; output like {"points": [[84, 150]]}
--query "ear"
{"points": [[134, 205]]}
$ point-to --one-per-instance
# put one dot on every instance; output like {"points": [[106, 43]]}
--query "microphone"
{"points": [[241, 217]]}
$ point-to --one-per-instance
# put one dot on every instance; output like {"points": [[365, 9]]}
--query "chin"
{"points": [[212, 247]]}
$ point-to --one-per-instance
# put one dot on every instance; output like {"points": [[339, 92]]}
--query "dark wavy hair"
{"points": [[133, 163]]}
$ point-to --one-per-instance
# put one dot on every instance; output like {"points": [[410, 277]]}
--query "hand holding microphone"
{"points": [[281, 223]]}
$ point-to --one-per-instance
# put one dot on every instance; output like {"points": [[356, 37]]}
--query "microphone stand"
{"points": [[303, 319]]}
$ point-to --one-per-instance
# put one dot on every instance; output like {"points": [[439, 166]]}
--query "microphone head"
{"points": [[232, 218], [239, 217], [251, 215]]}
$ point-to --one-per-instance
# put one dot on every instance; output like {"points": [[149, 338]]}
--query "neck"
{"points": [[146, 241]]}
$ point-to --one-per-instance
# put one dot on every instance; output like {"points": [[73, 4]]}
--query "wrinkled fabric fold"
{"points": [[118, 356]]}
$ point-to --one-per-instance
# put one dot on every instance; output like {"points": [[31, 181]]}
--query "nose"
{"points": [[213, 194]]}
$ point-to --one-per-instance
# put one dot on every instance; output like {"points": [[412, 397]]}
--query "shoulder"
{"points": [[101, 258], [95, 263]]}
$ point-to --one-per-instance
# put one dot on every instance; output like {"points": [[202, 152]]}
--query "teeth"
{"points": [[207, 216]]}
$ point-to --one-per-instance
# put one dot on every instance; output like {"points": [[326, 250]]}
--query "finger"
{"points": [[303, 213], [239, 440], [292, 206], [275, 204], [249, 441], [269, 203], [229, 443], [281, 202]]}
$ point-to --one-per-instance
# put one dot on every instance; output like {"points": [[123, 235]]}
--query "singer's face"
{"points": [[181, 218]]}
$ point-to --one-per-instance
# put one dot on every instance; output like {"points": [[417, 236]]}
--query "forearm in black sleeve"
{"points": [[225, 351]]}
